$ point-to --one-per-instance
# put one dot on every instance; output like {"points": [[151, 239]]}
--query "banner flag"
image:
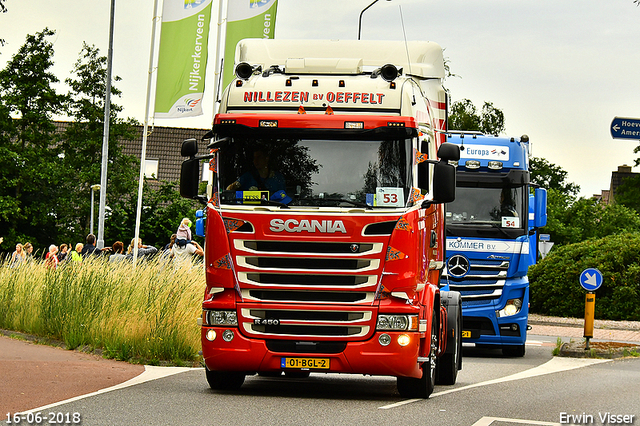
{"points": [[182, 58], [246, 19]]}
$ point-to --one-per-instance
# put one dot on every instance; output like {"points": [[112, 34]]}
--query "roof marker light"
{"points": [[472, 164]]}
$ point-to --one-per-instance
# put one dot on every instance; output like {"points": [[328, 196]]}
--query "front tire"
{"points": [[410, 387], [450, 362], [224, 380]]}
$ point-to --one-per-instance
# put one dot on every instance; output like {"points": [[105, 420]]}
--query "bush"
{"points": [[555, 287]]}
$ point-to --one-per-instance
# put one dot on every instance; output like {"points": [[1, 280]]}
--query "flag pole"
{"points": [[143, 151], [219, 68], [105, 139]]}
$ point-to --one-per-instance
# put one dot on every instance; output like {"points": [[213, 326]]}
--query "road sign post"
{"points": [[625, 128], [589, 316], [590, 280]]}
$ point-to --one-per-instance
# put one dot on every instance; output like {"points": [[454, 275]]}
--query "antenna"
{"points": [[404, 33]]}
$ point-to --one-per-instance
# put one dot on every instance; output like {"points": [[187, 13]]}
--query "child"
{"points": [[183, 236]]}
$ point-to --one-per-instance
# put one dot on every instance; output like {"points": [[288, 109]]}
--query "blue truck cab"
{"points": [[491, 239]]}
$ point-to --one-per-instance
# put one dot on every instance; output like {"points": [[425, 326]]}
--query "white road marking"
{"points": [[486, 421], [150, 373], [555, 365]]}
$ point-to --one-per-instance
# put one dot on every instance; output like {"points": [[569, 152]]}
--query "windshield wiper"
{"points": [[344, 200], [318, 201]]}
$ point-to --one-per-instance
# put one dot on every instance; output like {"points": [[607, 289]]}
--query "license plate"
{"points": [[315, 363], [466, 334]]}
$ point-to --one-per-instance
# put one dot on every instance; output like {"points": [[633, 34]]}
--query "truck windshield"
{"points": [[488, 206], [316, 172]]}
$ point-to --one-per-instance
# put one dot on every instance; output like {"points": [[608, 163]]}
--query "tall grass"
{"points": [[145, 314]]}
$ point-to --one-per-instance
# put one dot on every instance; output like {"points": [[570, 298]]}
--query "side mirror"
{"points": [[540, 212], [444, 182], [190, 178], [449, 152], [189, 148]]}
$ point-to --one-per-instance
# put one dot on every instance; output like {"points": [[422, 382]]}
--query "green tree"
{"points": [[628, 193], [465, 116], [550, 176], [82, 146], [30, 172]]}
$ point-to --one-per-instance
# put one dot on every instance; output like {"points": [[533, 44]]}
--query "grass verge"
{"points": [[145, 314]]}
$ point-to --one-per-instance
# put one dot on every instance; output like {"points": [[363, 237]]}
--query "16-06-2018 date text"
{"points": [[48, 418]]}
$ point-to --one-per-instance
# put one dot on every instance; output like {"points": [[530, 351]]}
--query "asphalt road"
{"points": [[491, 390]]}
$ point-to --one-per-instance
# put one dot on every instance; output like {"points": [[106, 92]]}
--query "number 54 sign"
{"points": [[389, 197]]}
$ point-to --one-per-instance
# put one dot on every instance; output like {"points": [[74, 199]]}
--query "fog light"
{"points": [[384, 339], [404, 340], [211, 335], [228, 335]]}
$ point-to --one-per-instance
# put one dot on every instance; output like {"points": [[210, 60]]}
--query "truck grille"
{"points": [[482, 284], [308, 271], [335, 324], [339, 279]]}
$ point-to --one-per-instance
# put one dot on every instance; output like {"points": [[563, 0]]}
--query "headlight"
{"points": [[397, 322], [219, 318], [512, 307]]}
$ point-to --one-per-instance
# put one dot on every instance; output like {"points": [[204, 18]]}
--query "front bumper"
{"points": [[365, 357]]}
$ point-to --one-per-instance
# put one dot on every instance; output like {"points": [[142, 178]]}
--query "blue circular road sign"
{"points": [[591, 279]]}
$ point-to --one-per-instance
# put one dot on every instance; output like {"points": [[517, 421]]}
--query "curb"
{"points": [[606, 350]]}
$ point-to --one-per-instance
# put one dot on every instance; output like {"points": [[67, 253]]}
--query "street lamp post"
{"points": [[94, 188], [361, 13]]}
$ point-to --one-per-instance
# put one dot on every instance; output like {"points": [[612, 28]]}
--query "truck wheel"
{"points": [[409, 387], [451, 361], [513, 351], [224, 380]]}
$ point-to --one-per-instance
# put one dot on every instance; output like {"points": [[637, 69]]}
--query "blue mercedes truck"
{"points": [[492, 239]]}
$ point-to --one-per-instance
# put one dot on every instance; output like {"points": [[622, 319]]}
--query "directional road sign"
{"points": [[625, 128], [591, 279]]}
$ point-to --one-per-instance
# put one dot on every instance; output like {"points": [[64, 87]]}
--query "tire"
{"points": [[410, 387], [224, 380], [451, 361], [513, 351]]}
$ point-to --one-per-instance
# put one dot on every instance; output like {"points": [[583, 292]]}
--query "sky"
{"points": [[559, 70]]}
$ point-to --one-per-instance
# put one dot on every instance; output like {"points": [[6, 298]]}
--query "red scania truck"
{"points": [[325, 218]]}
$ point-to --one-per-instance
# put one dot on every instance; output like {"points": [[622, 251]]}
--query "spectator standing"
{"points": [[28, 251], [183, 254], [143, 251], [90, 247], [51, 259], [64, 251], [75, 255], [19, 256], [166, 251], [118, 255]]}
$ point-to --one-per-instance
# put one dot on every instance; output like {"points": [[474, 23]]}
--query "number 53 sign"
{"points": [[389, 197]]}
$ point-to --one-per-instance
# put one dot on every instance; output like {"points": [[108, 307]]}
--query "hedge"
{"points": [[555, 287]]}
